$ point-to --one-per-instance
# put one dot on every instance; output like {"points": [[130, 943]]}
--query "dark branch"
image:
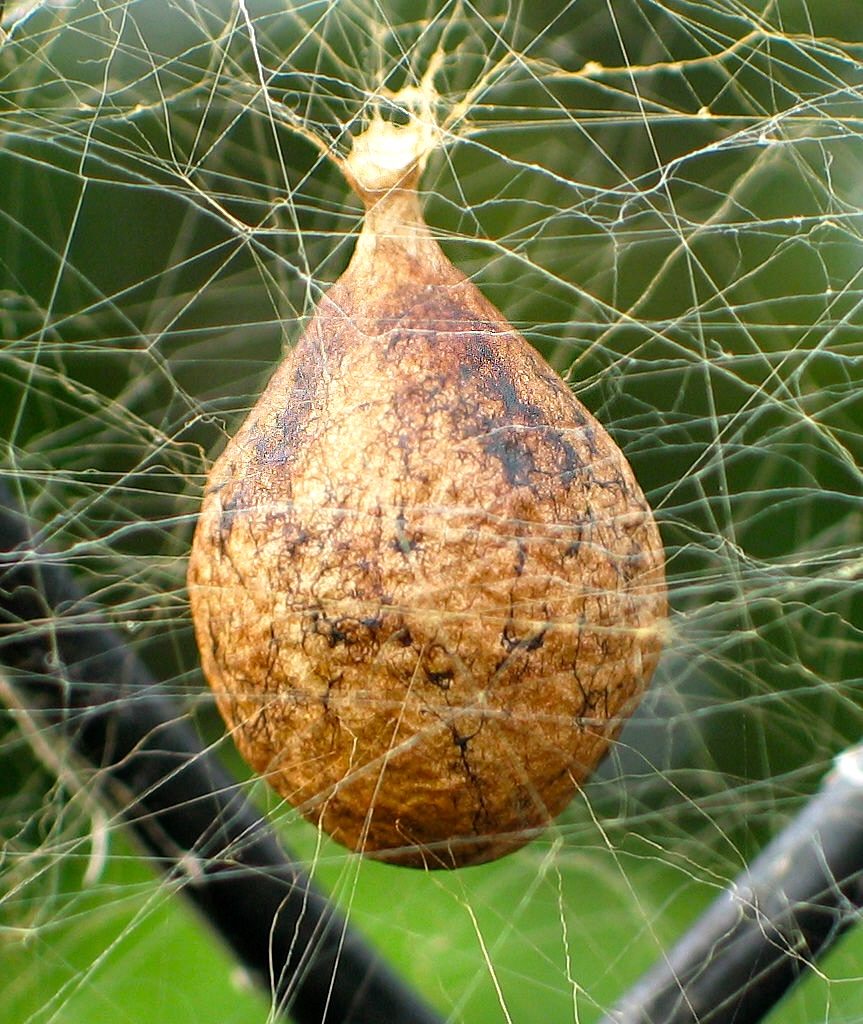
{"points": [[85, 689], [763, 934]]}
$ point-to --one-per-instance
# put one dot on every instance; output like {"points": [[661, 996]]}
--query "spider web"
{"points": [[666, 200]]}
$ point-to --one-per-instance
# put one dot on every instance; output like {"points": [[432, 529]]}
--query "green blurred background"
{"points": [[676, 226]]}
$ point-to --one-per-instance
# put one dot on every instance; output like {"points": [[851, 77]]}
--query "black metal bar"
{"points": [[763, 933], [84, 688]]}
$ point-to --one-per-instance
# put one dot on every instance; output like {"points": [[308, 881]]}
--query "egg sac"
{"points": [[426, 587]]}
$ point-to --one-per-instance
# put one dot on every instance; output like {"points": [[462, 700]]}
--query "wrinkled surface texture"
{"points": [[426, 586]]}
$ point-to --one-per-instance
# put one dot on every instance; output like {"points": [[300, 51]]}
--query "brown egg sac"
{"points": [[426, 587]]}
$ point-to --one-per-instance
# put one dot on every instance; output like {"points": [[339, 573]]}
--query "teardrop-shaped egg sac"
{"points": [[426, 587]]}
